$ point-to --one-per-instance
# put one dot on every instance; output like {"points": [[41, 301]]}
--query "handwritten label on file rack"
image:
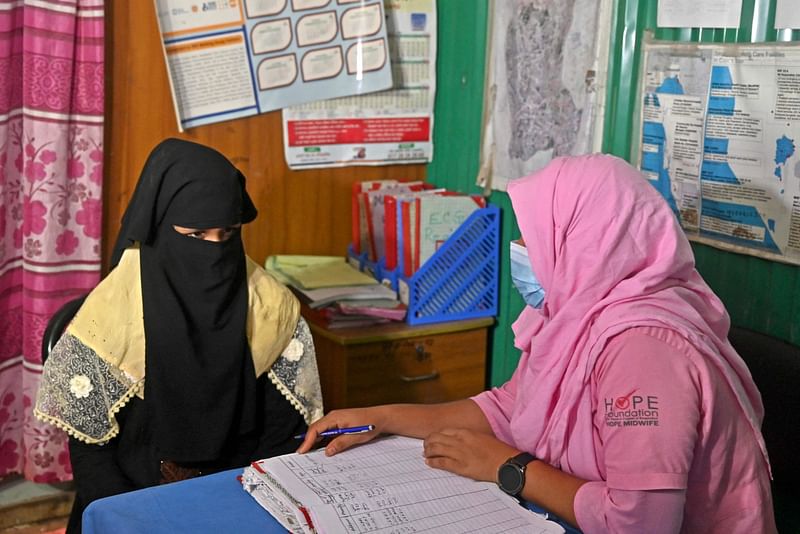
{"points": [[403, 291]]}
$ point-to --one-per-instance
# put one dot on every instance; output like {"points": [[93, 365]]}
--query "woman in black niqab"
{"points": [[187, 358], [200, 387]]}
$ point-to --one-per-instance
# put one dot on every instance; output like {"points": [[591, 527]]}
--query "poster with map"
{"points": [[542, 84], [672, 122], [742, 190]]}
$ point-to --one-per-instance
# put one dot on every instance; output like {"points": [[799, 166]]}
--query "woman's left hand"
{"points": [[467, 453]]}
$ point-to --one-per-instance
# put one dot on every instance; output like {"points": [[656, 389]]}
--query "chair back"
{"points": [[58, 323], [775, 366]]}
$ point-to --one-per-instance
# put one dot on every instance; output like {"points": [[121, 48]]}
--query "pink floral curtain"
{"points": [[51, 169]]}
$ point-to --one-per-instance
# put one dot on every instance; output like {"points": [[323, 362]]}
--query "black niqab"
{"points": [[200, 383]]}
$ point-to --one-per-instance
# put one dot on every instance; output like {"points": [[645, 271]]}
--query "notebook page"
{"points": [[385, 487]]}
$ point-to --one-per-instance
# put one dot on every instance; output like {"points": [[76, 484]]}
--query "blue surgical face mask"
{"points": [[522, 275]]}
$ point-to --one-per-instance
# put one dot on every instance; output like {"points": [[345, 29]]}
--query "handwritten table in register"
{"points": [[214, 503]]}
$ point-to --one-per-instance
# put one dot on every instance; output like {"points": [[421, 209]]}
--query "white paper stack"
{"points": [[382, 487]]}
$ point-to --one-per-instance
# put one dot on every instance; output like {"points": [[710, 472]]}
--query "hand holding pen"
{"points": [[339, 431], [344, 426]]}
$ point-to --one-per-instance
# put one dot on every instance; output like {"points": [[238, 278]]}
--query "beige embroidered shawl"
{"points": [[99, 363]]}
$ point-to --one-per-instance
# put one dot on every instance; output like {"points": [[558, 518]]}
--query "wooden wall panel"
{"points": [[300, 212]]}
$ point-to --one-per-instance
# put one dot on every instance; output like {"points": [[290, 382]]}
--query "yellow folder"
{"points": [[311, 272]]}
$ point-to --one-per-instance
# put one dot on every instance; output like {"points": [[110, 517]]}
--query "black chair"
{"points": [[58, 323], [775, 366]]}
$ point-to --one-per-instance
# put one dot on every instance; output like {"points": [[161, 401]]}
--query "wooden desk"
{"points": [[401, 363]]}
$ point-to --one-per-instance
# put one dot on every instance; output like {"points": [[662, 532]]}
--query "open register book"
{"points": [[382, 487]]}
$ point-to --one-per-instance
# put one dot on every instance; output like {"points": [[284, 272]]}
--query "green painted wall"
{"points": [[762, 295], [457, 137]]}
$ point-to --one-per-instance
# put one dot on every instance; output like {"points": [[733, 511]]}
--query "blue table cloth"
{"points": [[214, 503]]}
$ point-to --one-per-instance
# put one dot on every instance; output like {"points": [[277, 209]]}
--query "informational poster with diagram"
{"points": [[673, 118], [228, 59], [749, 169], [382, 128]]}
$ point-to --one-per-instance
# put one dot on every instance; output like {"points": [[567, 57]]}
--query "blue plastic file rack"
{"points": [[458, 282]]}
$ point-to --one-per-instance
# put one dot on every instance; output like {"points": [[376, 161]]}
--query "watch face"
{"points": [[510, 478]]}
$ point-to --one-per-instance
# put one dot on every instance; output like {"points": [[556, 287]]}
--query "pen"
{"points": [[340, 431]]}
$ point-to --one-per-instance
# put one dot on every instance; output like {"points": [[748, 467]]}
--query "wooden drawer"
{"points": [[427, 369]]}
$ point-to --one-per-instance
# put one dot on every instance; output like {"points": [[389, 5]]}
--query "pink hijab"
{"points": [[610, 255]]}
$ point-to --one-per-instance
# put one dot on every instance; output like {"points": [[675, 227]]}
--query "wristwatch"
{"points": [[511, 475]]}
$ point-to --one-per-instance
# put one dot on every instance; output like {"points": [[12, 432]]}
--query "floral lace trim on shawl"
{"points": [[295, 374], [80, 392]]}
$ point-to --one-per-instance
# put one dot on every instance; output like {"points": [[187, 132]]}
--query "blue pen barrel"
{"points": [[340, 431]]}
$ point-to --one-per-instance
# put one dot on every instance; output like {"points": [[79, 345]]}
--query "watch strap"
{"points": [[522, 459]]}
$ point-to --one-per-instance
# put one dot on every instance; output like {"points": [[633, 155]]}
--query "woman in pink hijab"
{"points": [[629, 410]]}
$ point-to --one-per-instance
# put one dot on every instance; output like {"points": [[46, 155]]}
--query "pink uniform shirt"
{"points": [[665, 445], [629, 335]]}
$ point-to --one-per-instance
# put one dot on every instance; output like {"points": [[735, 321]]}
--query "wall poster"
{"points": [[382, 128], [719, 126], [228, 59]]}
